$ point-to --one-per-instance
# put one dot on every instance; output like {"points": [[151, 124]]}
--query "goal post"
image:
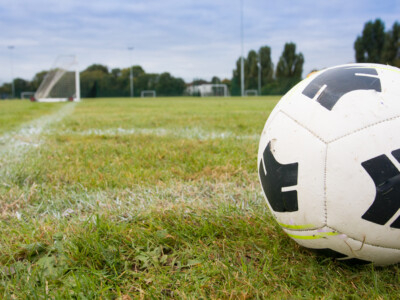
{"points": [[61, 83], [251, 93], [208, 90], [27, 95], [219, 90], [148, 93]]}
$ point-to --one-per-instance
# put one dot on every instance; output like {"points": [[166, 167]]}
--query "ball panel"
{"points": [[288, 177], [327, 238], [390, 78], [363, 185], [277, 109], [334, 110]]}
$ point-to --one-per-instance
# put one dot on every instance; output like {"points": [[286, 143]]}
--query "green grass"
{"points": [[154, 198], [14, 113]]}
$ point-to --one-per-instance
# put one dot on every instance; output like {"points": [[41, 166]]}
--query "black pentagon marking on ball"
{"points": [[334, 83], [274, 177], [386, 178]]}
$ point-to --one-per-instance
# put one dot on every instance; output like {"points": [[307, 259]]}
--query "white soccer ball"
{"points": [[329, 162]]}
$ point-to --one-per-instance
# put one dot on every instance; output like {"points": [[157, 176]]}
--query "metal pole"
{"points": [[242, 58], [12, 72], [131, 71], [77, 82], [259, 72]]}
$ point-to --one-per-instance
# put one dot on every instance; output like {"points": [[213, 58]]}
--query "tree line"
{"points": [[374, 45], [97, 81], [276, 81]]}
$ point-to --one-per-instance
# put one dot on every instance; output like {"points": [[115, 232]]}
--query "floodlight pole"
{"points": [[131, 71], [77, 81], [241, 58], [259, 72], [12, 72]]}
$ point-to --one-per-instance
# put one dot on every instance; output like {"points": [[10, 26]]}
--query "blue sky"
{"points": [[190, 39]]}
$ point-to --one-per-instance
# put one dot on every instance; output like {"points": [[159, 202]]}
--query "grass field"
{"points": [[154, 198]]}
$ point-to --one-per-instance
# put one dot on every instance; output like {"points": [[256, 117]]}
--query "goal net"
{"points": [[148, 93], [208, 90], [219, 90], [61, 83], [251, 93], [27, 95]]}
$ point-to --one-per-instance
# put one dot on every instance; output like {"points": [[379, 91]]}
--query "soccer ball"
{"points": [[329, 163]]}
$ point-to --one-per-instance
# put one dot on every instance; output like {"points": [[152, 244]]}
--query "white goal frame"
{"points": [[224, 88], [207, 90], [251, 93], [63, 64], [148, 92], [23, 94]]}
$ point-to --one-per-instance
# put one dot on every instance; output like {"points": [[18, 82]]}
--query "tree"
{"points": [[251, 71], [199, 81], [93, 79], [290, 64], [97, 67], [267, 67], [235, 83], [391, 47], [137, 71], [167, 85], [37, 79], [5, 90], [116, 72], [227, 82], [369, 46], [288, 70], [21, 85], [145, 82], [215, 80]]}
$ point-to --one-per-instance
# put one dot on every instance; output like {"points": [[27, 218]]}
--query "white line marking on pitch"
{"points": [[14, 144], [189, 133]]}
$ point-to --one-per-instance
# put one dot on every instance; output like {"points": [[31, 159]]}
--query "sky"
{"points": [[189, 39]]}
